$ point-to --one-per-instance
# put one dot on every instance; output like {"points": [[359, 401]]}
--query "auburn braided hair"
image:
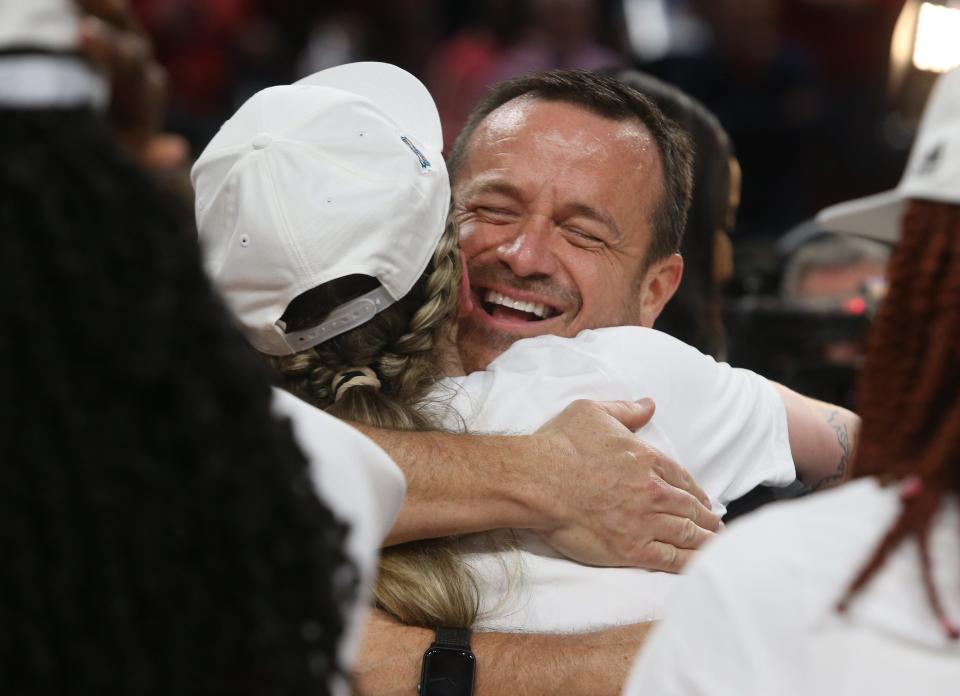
{"points": [[910, 387]]}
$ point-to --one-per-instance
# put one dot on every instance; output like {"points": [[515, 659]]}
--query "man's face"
{"points": [[555, 207]]}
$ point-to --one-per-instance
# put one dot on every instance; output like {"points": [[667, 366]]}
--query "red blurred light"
{"points": [[855, 305]]}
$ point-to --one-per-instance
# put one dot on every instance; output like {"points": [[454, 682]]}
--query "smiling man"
{"points": [[571, 193]]}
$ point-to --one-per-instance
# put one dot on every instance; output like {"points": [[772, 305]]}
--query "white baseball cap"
{"points": [[39, 66], [932, 173], [339, 174]]}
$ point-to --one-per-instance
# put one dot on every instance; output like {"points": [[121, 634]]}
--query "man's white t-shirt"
{"points": [[726, 426], [756, 613], [363, 488]]}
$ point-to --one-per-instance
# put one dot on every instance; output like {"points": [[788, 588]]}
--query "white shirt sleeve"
{"points": [[728, 425]]}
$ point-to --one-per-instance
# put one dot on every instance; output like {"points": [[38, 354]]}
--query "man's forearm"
{"points": [[594, 491], [592, 664], [508, 664], [823, 439], [449, 493]]}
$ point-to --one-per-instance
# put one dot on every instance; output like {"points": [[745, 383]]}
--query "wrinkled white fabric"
{"points": [[756, 613], [726, 426]]}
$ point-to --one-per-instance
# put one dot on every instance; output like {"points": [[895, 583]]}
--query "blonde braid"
{"points": [[410, 360], [422, 583]]}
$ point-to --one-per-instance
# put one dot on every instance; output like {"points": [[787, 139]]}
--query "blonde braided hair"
{"points": [[421, 583]]}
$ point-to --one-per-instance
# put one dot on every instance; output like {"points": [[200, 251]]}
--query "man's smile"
{"points": [[504, 308], [494, 303]]}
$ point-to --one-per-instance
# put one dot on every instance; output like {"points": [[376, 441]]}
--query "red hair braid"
{"points": [[909, 393]]}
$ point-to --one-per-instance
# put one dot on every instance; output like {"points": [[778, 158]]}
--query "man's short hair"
{"points": [[607, 97]]}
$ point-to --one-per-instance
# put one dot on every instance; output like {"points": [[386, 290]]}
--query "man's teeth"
{"points": [[531, 307]]}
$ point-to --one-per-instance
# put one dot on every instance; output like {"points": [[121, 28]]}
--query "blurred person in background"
{"points": [[694, 314], [812, 333], [859, 589], [829, 271], [162, 531], [836, 276]]}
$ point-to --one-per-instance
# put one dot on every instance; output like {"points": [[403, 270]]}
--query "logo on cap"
{"points": [[931, 160], [424, 162]]}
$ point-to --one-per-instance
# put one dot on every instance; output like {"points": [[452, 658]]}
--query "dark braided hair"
{"points": [[910, 388], [159, 533]]}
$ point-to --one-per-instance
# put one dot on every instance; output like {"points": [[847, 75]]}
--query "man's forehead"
{"points": [[532, 142], [543, 120], [507, 118]]}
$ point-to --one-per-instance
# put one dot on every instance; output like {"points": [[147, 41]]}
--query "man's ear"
{"points": [[659, 283], [465, 302]]}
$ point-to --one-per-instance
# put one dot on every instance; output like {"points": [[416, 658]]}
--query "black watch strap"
{"points": [[449, 666], [453, 638]]}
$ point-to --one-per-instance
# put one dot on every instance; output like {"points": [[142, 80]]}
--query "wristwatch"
{"points": [[448, 665]]}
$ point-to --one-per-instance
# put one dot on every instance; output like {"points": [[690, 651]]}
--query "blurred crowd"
{"points": [[807, 102], [804, 99]]}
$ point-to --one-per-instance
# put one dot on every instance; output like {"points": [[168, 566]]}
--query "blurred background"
{"points": [[820, 98]]}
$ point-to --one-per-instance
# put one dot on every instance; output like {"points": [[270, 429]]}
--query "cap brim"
{"points": [[398, 93], [874, 217]]}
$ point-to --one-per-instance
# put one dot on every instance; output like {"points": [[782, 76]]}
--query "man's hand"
{"points": [[112, 40], [615, 500], [584, 481], [508, 664]]}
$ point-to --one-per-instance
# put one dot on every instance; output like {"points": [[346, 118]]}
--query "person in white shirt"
{"points": [[322, 209], [857, 590]]}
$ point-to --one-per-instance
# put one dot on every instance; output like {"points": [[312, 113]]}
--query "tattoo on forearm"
{"points": [[843, 440]]}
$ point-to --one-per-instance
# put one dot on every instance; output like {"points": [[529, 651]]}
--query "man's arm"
{"points": [[823, 438], [511, 664], [592, 489]]}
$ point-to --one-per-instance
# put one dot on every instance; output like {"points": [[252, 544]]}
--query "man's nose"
{"points": [[530, 251]]}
